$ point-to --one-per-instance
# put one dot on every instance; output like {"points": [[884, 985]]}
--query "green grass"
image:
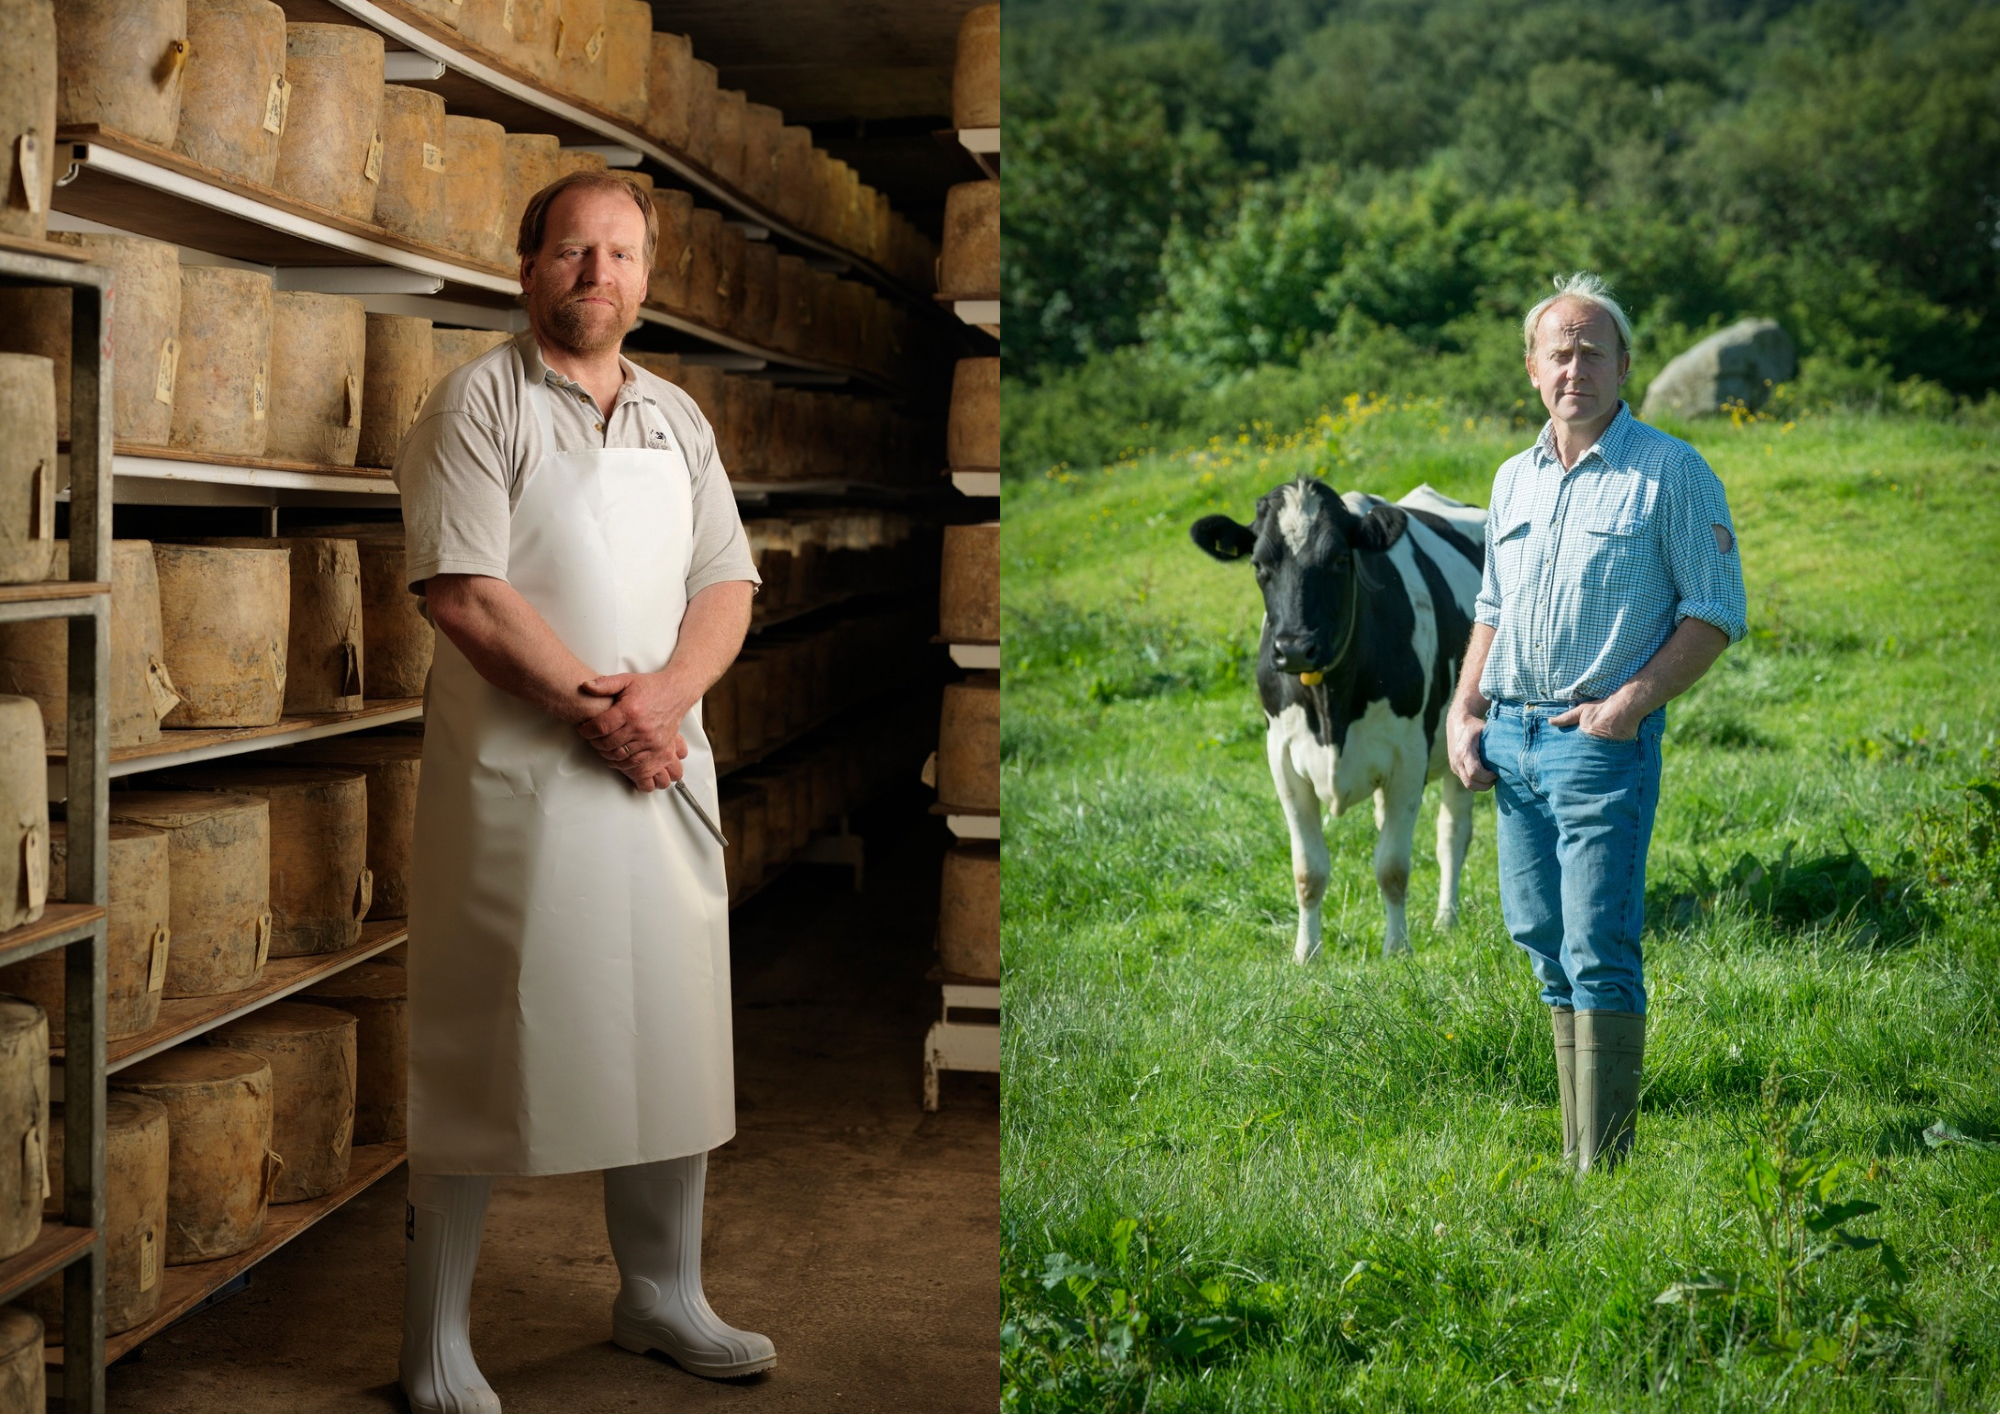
{"points": [[1234, 1183]]}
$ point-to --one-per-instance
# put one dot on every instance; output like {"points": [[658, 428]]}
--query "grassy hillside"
{"points": [[1231, 1182]]}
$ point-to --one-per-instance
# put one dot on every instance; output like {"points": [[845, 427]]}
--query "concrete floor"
{"points": [[859, 1233]]}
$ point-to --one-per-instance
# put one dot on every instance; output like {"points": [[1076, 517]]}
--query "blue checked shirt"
{"points": [[1589, 571]]}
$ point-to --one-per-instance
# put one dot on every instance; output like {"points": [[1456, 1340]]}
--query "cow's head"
{"points": [[1303, 545]]}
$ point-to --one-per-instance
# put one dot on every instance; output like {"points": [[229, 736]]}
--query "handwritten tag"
{"points": [[277, 102], [594, 45], [353, 401], [372, 168], [258, 395], [263, 937], [34, 1165], [149, 1260], [35, 866], [42, 520], [161, 688], [170, 363], [29, 158], [507, 17], [156, 968], [433, 157], [562, 30], [687, 258]]}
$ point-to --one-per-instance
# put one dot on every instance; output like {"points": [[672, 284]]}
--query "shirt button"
{"points": [[600, 427]]}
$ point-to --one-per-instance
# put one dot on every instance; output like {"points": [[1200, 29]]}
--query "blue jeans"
{"points": [[1576, 817]]}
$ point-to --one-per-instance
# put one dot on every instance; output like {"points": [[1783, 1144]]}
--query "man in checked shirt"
{"points": [[1612, 582]]}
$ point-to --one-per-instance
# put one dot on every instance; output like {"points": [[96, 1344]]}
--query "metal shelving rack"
{"points": [[75, 1246]]}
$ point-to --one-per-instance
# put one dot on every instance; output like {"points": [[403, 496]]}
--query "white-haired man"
{"points": [[1612, 582]]}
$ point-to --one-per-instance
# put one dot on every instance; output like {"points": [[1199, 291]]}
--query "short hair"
{"points": [[1588, 287], [535, 218]]}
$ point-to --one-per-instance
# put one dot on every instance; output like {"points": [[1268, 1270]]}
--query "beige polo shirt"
{"points": [[463, 464]]}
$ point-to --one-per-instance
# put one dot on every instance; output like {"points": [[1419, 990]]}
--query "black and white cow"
{"points": [[1367, 608]]}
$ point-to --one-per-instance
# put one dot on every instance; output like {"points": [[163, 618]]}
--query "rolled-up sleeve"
{"points": [[721, 550], [457, 519], [1486, 606], [1702, 552]]}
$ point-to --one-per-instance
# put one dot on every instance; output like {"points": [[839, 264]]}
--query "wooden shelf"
{"points": [[481, 85], [976, 483], [188, 1284], [60, 924], [183, 1018], [38, 590], [55, 1248], [188, 745]]}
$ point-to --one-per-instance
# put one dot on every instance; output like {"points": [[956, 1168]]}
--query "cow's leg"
{"points": [[1396, 807], [1311, 866], [1454, 836]]}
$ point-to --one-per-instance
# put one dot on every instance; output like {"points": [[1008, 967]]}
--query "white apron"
{"points": [[569, 935]]}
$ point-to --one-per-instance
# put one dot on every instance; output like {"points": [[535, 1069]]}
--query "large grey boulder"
{"points": [[1738, 365]]}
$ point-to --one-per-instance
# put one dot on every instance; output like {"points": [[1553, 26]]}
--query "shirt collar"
{"points": [[1609, 447], [539, 371]]}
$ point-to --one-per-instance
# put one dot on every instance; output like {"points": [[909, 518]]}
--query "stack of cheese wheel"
{"points": [[225, 334], [580, 49], [394, 386], [34, 655], [24, 814], [972, 434], [969, 267], [705, 293], [410, 199], [331, 151], [320, 887], [225, 617], [234, 93], [968, 766], [121, 63], [726, 158], [376, 994], [398, 637], [628, 55], [138, 934], [702, 89], [324, 640], [28, 120], [453, 349], [969, 606], [23, 1377], [320, 342], [145, 329], [969, 911], [533, 161], [667, 90], [27, 467], [669, 284], [220, 1166], [24, 1121], [475, 160], [218, 884], [136, 1150], [311, 1051], [393, 764], [761, 126], [975, 83]]}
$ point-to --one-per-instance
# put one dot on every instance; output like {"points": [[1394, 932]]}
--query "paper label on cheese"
{"points": [[687, 258], [156, 968], [277, 101], [42, 503], [353, 401], [433, 157], [372, 168], [170, 363], [35, 865], [161, 687], [595, 45], [149, 1260], [29, 158], [34, 1165], [561, 31], [258, 395], [507, 17], [263, 938]]}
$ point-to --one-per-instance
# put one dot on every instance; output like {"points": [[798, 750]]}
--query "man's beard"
{"points": [[569, 324]]}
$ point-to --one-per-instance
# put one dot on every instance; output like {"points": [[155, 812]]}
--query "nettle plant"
{"points": [[1773, 1284]]}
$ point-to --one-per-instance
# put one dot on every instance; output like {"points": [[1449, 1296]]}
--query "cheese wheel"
{"points": [[671, 56], [376, 995], [628, 56], [726, 152], [969, 605], [972, 435], [233, 89], [532, 161], [969, 911], [24, 1122], [24, 814], [220, 1167], [218, 882], [968, 763], [970, 264], [225, 618], [396, 380], [23, 1378], [320, 342], [410, 200], [669, 284], [27, 467], [222, 403], [121, 64], [331, 154], [393, 765], [476, 189], [580, 50], [701, 102], [28, 82], [975, 81], [136, 1157], [311, 1050]]}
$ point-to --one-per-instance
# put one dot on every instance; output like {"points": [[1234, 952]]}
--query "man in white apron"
{"points": [[574, 535]]}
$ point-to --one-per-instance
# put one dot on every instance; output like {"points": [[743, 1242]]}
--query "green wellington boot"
{"points": [[1563, 1021], [1609, 1049]]}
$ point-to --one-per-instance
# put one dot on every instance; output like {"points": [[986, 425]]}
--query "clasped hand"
{"points": [[639, 733]]}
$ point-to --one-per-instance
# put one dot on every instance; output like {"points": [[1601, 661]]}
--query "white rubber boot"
{"points": [[653, 1212], [446, 1216]]}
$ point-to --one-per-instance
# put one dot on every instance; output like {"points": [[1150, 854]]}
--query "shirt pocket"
{"points": [[1617, 544], [1510, 556]]}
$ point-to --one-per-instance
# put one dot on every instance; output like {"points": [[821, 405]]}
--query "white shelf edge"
{"points": [[976, 483], [972, 827], [140, 468], [985, 313], [984, 141], [976, 655], [971, 995], [244, 207], [188, 756]]}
